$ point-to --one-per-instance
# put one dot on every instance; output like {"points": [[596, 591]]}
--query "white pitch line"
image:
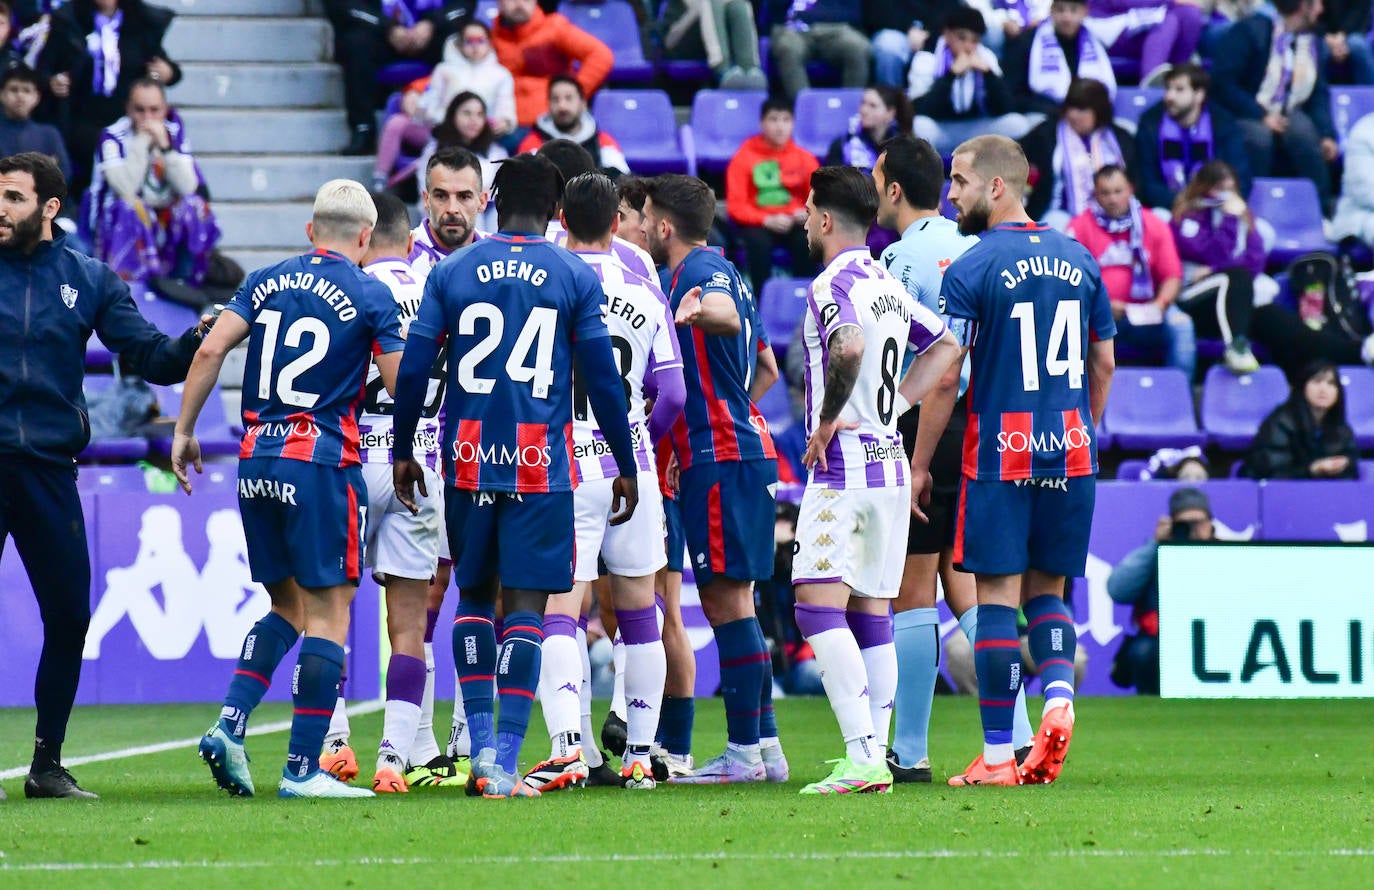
{"points": [[367, 707], [656, 858]]}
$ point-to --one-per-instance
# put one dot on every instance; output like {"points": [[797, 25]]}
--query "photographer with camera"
{"points": [[1135, 582]]}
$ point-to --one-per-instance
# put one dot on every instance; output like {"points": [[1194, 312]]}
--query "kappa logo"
{"points": [[639, 703], [571, 687], [69, 295], [826, 515], [824, 565], [829, 494], [825, 541]]}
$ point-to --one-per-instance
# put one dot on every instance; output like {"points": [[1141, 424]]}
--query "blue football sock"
{"points": [[768, 720], [516, 680], [263, 649], [997, 658], [1021, 731], [474, 656], [916, 635], [315, 688], [675, 724], [741, 676], [1053, 645]]}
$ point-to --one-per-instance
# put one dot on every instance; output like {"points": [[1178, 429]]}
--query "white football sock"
{"points": [[646, 669], [591, 751], [398, 732], [425, 747], [881, 664], [459, 740], [560, 682], [338, 723], [846, 685], [618, 687]]}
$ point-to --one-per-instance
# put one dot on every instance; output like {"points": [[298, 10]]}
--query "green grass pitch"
{"points": [[1156, 794]]}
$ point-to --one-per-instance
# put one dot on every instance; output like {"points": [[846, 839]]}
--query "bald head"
{"points": [[997, 157]]}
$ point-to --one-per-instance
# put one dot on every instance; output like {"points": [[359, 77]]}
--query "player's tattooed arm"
{"points": [[846, 354]]}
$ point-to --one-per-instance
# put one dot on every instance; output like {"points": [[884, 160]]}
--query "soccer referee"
{"points": [[51, 299]]}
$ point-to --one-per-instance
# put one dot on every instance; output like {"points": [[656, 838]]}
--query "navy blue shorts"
{"points": [[1006, 528], [302, 520], [727, 516], [524, 540], [674, 539]]}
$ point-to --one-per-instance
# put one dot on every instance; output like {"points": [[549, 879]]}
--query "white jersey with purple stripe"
{"points": [[644, 340], [857, 291], [374, 423], [631, 255], [427, 252]]}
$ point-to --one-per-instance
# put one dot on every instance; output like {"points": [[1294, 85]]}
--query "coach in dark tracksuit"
{"points": [[51, 299]]}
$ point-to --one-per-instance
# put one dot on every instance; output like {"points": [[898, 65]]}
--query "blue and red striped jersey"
{"points": [[317, 320], [719, 422], [1028, 300], [510, 307]]}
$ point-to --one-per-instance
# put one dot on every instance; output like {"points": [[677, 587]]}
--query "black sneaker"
{"points": [[1023, 753], [362, 142], [54, 782], [908, 774], [603, 775], [613, 734], [658, 767]]}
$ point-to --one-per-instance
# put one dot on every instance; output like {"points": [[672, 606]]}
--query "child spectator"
{"points": [[470, 65], [766, 186], [20, 91]]}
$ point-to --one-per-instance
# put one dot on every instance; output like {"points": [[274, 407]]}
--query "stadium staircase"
{"points": [[263, 104]]}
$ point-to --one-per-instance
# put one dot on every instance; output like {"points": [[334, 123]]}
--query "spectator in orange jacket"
{"points": [[534, 46], [765, 194]]}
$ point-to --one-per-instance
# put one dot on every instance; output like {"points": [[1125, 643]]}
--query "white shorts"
{"points": [[399, 543], [854, 535], [631, 550]]}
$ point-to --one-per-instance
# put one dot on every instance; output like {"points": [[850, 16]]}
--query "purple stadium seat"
{"points": [[487, 11], [217, 438], [1130, 470], [116, 449], [398, 74], [782, 304], [1348, 105], [613, 22], [113, 478], [1359, 402], [1152, 408], [822, 115], [1367, 471], [1233, 407], [1131, 102], [686, 71], [171, 318], [720, 122], [1292, 207], [642, 122]]}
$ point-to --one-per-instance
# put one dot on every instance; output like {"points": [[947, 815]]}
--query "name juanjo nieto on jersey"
{"points": [[325, 289]]}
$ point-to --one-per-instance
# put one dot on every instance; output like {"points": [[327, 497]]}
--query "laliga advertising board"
{"points": [[1266, 621]]}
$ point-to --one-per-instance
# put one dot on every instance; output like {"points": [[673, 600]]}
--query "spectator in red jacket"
{"points": [[568, 118], [534, 46], [765, 194]]}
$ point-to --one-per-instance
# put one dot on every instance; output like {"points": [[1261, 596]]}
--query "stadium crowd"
{"points": [[1226, 99]]}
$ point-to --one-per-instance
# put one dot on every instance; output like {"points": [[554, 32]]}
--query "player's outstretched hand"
{"points": [[185, 450], [820, 441], [405, 475], [624, 499], [673, 474], [921, 483], [689, 309]]}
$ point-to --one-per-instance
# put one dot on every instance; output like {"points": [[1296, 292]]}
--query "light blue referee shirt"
{"points": [[919, 260]]}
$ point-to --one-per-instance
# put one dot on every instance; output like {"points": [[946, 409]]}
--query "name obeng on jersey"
{"points": [[325, 289]]}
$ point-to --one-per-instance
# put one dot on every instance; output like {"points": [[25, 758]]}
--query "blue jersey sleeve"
{"points": [[242, 302], [1100, 320], [384, 317], [959, 301], [589, 306], [431, 321]]}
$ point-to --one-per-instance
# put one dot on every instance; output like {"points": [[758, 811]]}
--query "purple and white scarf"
{"points": [[1017, 10], [1182, 151], [1291, 73], [1049, 70], [858, 151], [1142, 286], [969, 91], [1076, 159], [103, 46]]}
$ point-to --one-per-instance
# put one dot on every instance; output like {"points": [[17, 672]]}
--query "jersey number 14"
{"points": [[1066, 337]]}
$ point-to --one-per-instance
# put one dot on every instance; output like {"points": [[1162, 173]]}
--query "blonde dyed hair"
{"points": [[343, 208]]}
